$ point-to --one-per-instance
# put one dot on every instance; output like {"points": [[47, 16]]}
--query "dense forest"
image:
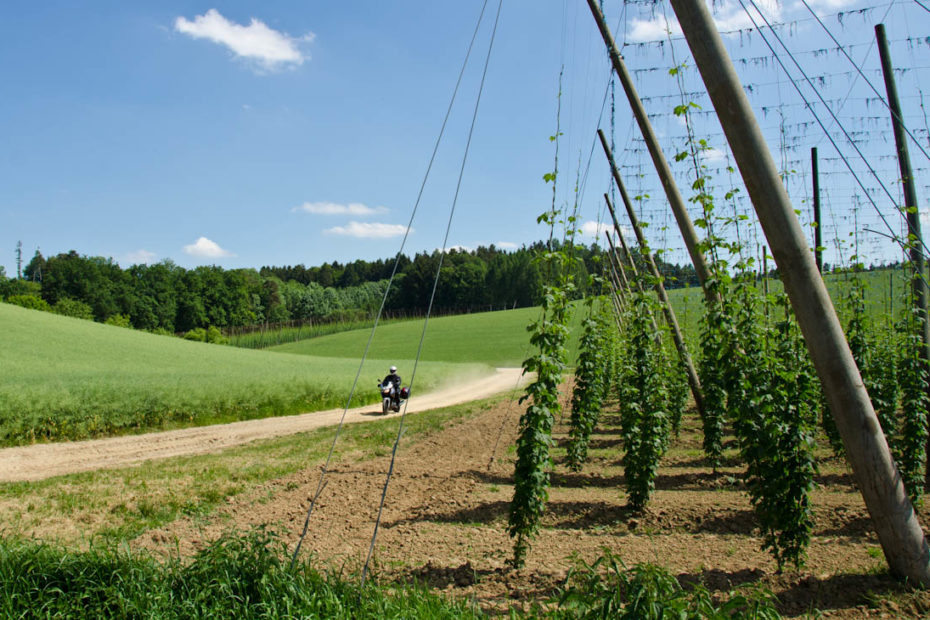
{"points": [[166, 297]]}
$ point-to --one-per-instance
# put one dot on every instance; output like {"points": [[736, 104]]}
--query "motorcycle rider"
{"points": [[394, 379]]}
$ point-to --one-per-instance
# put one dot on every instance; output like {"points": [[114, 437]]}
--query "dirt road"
{"points": [[42, 461]]}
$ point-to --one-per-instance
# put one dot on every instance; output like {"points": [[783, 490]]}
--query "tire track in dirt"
{"points": [[40, 461]]}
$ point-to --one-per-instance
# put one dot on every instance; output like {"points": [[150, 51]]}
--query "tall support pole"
{"points": [[626, 253], [878, 480], [818, 228], [658, 157], [639, 286], [622, 262], [693, 381], [914, 237], [616, 257], [615, 281]]}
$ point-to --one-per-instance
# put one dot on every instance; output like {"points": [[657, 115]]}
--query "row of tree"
{"points": [[165, 296]]}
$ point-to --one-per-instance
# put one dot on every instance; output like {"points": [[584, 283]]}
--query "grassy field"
{"points": [[66, 378], [494, 338], [500, 338]]}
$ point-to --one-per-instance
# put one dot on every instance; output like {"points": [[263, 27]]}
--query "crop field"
{"points": [[69, 379], [500, 338], [495, 338]]}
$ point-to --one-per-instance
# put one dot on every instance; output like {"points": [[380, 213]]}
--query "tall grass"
{"points": [[66, 378], [235, 577], [247, 576]]}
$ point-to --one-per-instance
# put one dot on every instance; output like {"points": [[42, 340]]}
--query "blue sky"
{"points": [[245, 134]]}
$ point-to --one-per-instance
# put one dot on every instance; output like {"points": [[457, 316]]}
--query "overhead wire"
{"points": [[867, 81], [442, 254], [321, 484], [817, 92]]}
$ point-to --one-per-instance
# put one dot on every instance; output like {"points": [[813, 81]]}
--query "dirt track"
{"points": [[42, 461]]}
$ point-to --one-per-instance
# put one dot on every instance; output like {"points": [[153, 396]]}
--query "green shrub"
{"points": [[215, 336], [31, 302], [607, 589], [22, 287], [118, 320], [73, 308], [198, 334]]}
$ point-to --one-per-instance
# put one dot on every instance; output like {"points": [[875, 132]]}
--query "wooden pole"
{"points": [[655, 151], [693, 381], [616, 257], [892, 513], [615, 282], [914, 237], [818, 228]]}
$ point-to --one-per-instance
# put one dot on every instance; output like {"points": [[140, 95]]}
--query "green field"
{"points": [[494, 338], [66, 378], [500, 338]]}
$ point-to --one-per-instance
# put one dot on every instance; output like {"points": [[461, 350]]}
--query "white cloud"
{"points": [[331, 208], [714, 156], [595, 229], [728, 16], [368, 230], [140, 257], [204, 248], [506, 245], [256, 42], [456, 248], [924, 217]]}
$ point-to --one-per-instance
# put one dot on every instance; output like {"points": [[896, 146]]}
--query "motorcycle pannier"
{"points": [[405, 392]]}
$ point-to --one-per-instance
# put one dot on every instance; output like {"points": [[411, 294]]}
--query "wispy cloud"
{"points": [[256, 42], [728, 16], [368, 230], [456, 248], [141, 257], [506, 245], [204, 248], [356, 209], [594, 229]]}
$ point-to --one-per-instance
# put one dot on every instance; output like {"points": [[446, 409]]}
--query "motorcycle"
{"points": [[391, 397]]}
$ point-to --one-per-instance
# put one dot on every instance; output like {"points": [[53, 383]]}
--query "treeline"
{"points": [[166, 297]]}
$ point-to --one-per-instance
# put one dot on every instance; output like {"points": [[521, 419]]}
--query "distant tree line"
{"points": [[166, 297]]}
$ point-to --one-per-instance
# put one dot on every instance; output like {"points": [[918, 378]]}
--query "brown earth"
{"points": [[444, 523], [40, 461]]}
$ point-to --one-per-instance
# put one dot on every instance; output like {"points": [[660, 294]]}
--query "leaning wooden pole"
{"points": [[693, 381], [616, 286], [914, 237], [616, 258], [621, 261], [636, 282], [878, 480], [655, 151]]}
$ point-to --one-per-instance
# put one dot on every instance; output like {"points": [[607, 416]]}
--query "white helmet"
{"points": [[393, 368]]}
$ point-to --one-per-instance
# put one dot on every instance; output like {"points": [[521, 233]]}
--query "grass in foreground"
{"points": [[66, 378], [248, 576], [236, 577]]}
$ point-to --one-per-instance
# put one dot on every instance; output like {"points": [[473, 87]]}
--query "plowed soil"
{"points": [[444, 523]]}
